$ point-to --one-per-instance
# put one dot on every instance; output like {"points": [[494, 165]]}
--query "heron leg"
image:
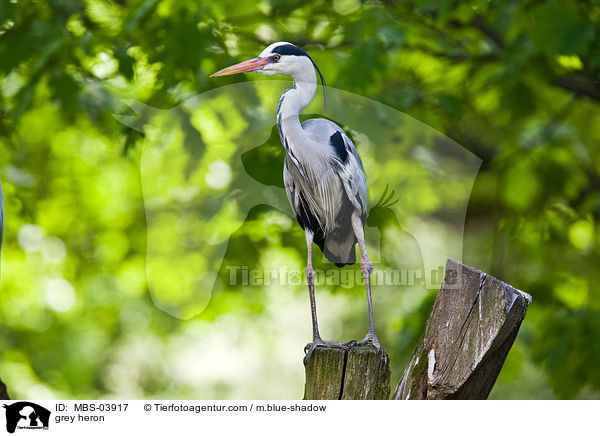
{"points": [[310, 278], [366, 267]]}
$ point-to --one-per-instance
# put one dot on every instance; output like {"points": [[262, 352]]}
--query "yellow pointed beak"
{"points": [[255, 64]]}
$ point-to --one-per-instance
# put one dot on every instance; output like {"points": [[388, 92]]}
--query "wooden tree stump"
{"points": [[362, 373], [473, 324]]}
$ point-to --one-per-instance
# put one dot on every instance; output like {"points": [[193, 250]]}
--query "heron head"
{"points": [[278, 58]]}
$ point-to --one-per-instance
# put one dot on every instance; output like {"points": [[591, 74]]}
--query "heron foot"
{"points": [[318, 342], [371, 338]]}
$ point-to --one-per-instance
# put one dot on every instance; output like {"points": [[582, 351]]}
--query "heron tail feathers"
{"points": [[340, 251]]}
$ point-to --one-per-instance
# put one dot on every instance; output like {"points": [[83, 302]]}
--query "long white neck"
{"points": [[292, 102]]}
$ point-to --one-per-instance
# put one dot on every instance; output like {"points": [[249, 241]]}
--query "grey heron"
{"points": [[323, 175]]}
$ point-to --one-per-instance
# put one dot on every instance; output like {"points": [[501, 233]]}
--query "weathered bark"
{"points": [[360, 374], [474, 322]]}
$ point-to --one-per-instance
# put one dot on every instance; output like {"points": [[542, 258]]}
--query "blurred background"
{"points": [[515, 83]]}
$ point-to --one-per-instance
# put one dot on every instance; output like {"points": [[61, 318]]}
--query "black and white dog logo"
{"points": [[26, 415]]}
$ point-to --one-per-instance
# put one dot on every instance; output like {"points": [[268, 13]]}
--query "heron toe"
{"points": [[371, 338], [310, 347]]}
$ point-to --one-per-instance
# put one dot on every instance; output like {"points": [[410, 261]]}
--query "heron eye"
{"points": [[276, 58]]}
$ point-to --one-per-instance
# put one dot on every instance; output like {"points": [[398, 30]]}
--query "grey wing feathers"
{"points": [[354, 173], [290, 188], [351, 170]]}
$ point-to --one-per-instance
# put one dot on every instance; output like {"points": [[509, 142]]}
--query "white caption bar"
{"points": [[308, 417]]}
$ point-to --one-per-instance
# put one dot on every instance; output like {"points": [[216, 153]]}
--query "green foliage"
{"points": [[514, 82]]}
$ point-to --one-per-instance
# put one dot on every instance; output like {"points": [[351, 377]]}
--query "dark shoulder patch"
{"points": [[289, 49], [337, 143]]}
